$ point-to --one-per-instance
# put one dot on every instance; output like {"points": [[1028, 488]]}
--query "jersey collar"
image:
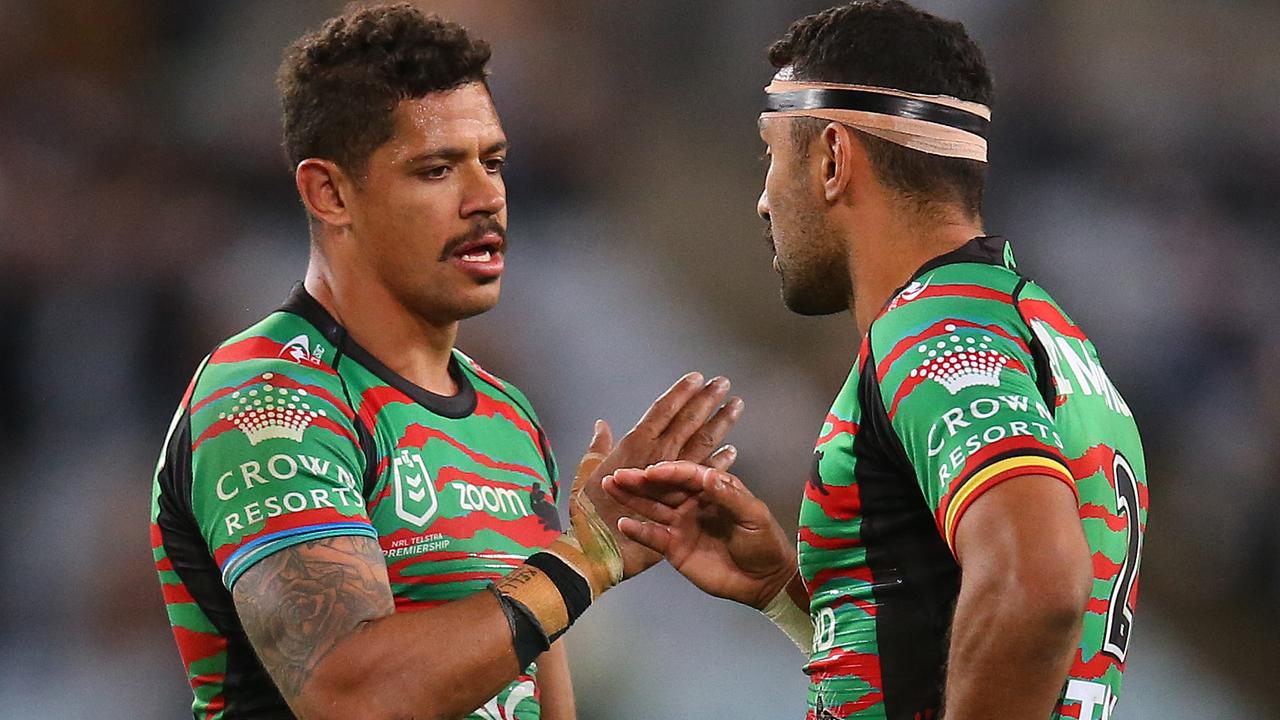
{"points": [[302, 304], [985, 249]]}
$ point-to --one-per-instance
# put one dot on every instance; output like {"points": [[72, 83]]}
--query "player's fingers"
{"points": [[651, 535], [601, 438], [727, 492], [628, 476], [638, 504], [599, 447], [692, 418], [705, 438], [670, 475], [671, 493], [723, 458], [659, 414]]}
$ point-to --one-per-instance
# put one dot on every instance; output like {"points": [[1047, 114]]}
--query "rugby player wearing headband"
{"points": [[972, 524], [341, 489]]}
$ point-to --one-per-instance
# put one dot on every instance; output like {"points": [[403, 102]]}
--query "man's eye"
{"points": [[495, 165], [435, 173]]}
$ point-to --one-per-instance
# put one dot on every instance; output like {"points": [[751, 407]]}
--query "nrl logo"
{"points": [[957, 363], [414, 491]]}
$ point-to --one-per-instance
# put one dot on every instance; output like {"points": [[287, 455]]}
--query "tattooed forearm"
{"points": [[296, 604]]}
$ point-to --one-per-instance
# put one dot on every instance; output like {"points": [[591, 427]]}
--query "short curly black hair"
{"points": [[889, 43], [340, 85]]}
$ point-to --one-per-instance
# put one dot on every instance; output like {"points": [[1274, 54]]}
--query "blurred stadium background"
{"points": [[148, 214]]}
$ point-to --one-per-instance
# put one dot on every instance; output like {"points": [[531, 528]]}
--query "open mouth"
{"points": [[481, 257], [484, 255], [482, 249]]}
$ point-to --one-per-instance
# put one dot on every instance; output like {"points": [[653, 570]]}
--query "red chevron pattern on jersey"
{"points": [[943, 403], [290, 432]]}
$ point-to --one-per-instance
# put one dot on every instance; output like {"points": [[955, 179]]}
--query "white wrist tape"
{"points": [[793, 621]]}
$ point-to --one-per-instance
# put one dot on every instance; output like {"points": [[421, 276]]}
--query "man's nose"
{"points": [[485, 195], [762, 205]]}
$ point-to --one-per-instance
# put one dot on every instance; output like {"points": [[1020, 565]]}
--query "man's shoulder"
{"points": [[280, 336], [948, 309], [277, 368], [960, 289]]}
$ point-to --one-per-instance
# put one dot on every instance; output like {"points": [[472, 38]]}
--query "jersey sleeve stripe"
{"points": [[994, 474], [287, 521], [250, 553]]}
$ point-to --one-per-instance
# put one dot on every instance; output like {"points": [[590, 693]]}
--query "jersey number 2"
{"points": [[1120, 612]]}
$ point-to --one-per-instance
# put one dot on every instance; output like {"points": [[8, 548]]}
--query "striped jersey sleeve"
{"points": [[957, 378], [276, 460]]}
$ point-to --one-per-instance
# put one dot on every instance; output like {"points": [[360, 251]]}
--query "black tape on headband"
{"points": [[840, 99]]}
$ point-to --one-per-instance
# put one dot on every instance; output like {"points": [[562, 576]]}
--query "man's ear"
{"points": [[841, 153], [323, 188]]}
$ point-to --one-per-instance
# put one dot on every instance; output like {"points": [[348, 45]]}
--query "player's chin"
{"points": [[812, 299], [481, 297]]}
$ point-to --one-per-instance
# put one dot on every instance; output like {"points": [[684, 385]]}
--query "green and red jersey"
{"points": [[291, 432], [970, 376]]}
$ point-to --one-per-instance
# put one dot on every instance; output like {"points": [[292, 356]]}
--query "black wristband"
{"points": [[573, 587], [527, 636]]}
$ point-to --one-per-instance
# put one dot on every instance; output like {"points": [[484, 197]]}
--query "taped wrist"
{"points": [[527, 637], [553, 588], [543, 597], [793, 621], [590, 535]]}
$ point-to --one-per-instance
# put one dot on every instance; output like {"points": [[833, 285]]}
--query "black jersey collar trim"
{"points": [[985, 249], [460, 405]]}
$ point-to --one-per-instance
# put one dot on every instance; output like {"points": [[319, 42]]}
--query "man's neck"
{"points": [[882, 262], [407, 343]]}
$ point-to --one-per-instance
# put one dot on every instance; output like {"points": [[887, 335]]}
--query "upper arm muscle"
{"points": [[296, 604], [1028, 525]]}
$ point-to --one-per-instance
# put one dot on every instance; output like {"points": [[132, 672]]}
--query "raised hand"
{"points": [[719, 536], [688, 422]]}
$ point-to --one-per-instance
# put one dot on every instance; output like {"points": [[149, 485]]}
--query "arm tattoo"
{"points": [[296, 604]]}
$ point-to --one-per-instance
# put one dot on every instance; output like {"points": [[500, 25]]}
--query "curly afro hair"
{"points": [[341, 84]]}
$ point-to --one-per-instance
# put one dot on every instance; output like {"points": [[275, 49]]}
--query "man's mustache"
{"points": [[475, 233]]}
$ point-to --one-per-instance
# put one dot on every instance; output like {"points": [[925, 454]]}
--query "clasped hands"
{"points": [[664, 491]]}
